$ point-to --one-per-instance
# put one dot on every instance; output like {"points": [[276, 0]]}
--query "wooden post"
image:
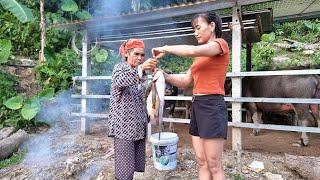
{"points": [[84, 87], [249, 59], [236, 84], [43, 31]]}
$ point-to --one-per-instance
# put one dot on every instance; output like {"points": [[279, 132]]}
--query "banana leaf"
{"points": [[69, 6], [5, 50], [14, 102], [20, 11]]}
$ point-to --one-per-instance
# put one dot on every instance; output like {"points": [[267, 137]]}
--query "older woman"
{"points": [[208, 125], [128, 117]]}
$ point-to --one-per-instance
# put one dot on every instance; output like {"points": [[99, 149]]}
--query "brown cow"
{"points": [[307, 86]]}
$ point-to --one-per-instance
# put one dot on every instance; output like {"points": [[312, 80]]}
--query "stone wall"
{"points": [[24, 70]]}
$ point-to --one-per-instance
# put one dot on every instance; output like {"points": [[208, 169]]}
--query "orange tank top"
{"points": [[209, 73]]}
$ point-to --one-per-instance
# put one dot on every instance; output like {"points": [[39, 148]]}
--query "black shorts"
{"points": [[209, 117]]}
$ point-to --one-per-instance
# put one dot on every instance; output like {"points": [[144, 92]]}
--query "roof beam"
{"points": [[311, 15], [171, 12]]}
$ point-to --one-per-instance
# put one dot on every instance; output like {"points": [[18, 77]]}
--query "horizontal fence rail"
{"points": [[91, 96], [229, 99], [274, 73], [229, 74], [91, 115], [230, 124]]}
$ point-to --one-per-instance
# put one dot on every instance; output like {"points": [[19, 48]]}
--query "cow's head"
{"points": [[170, 89]]}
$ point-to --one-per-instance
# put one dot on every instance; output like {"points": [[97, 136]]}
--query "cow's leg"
{"points": [[318, 116], [171, 128], [256, 117], [295, 118], [315, 112], [171, 111], [188, 109], [304, 119], [248, 117]]}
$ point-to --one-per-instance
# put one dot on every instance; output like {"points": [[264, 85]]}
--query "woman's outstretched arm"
{"points": [[209, 49], [182, 81]]}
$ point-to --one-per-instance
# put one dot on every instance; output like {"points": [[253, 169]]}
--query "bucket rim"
{"points": [[172, 137]]}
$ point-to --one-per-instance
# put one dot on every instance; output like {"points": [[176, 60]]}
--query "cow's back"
{"points": [[280, 86]]}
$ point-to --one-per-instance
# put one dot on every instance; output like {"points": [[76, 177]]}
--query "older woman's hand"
{"points": [[158, 52], [149, 64]]}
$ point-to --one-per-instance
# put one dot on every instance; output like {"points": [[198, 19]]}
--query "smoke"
{"points": [[47, 152], [110, 28], [44, 149], [109, 8], [96, 167]]}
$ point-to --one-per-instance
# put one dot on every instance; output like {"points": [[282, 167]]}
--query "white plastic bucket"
{"points": [[164, 150]]}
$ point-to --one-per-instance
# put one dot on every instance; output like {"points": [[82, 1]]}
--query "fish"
{"points": [[154, 97]]}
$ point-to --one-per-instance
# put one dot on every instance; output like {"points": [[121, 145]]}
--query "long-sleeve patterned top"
{"points": [[127, 109]]}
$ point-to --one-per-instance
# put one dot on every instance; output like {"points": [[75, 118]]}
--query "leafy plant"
{"points": [[23, 13], [175, 64], [69, 6], [28, 107], [7, 90], [14, 103], [99, 55], [315, 60], [105, 68], [58, 70], [5, 50], [262, 54], [302, 31], [83, 15], [13, 160], [238, 177], [312, 26], [24, 37], [268, 37]]}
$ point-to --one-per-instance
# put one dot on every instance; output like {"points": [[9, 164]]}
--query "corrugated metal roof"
{"points": [[286, 10], [283, 10]]}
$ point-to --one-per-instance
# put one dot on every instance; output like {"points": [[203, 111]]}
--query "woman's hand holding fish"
{"points": [[149, 64], [158, 52]]}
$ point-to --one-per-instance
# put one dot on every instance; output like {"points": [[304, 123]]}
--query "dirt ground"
{"points": [[65, 154], [278, 142]]}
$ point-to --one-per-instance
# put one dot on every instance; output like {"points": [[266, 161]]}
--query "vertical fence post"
{"points": [[236, 84], [84, 87]]}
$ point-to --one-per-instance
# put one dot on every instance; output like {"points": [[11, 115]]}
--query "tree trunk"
{"points": [[307, 167], [11, 144], [43, 31], [6, 132]]}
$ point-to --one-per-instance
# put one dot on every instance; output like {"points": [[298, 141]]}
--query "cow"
{"points": [[302, 86], [171, 104]]}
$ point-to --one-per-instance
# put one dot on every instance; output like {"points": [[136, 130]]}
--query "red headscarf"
{"points": [[129, 44]]}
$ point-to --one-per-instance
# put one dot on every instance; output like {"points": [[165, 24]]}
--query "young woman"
{"points": [[208, 125], [127, 120]]}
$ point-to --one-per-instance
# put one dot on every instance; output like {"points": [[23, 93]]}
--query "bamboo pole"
{"points": [[43, 31]]}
